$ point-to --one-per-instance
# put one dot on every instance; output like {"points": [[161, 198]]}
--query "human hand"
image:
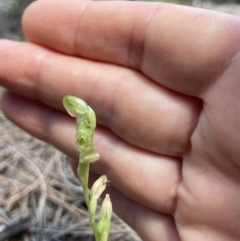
{"points": [[164, 83]]}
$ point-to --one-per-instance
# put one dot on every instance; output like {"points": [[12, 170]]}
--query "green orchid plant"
{"points": [[86, 124]]}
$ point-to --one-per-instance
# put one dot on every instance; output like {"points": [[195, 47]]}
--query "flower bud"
{"points": [[98, 187], [106, 209], [104, 223], [89, 155], [75, 106], [91, 117], [83, 139]]}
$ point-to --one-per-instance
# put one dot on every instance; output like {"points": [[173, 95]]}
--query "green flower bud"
{"points": [[98, 187], [106, 209], [83, 139], [91, 117], [74, 106], [104, 223], [89, 155]]}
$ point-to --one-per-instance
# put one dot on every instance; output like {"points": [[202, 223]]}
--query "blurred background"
{"points": [[40, 198]]}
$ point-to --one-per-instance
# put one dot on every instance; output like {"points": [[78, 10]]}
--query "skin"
{"points": [[164, 83]]}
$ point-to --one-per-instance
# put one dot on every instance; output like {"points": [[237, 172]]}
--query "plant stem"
{"points": [[94, 227], [86, 124], [84, 180]]}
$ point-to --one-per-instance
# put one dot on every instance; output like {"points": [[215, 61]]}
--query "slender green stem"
{"points": [[84, 180], [83, 172], [94, 226], [85, 192]]}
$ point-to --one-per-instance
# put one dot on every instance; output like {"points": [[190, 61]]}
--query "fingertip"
{"points": [[27, 15], [44, 22]]}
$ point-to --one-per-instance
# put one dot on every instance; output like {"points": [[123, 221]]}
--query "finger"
{"points": [[176, 46], [149, 224], [138, 110], [137, 173]]}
